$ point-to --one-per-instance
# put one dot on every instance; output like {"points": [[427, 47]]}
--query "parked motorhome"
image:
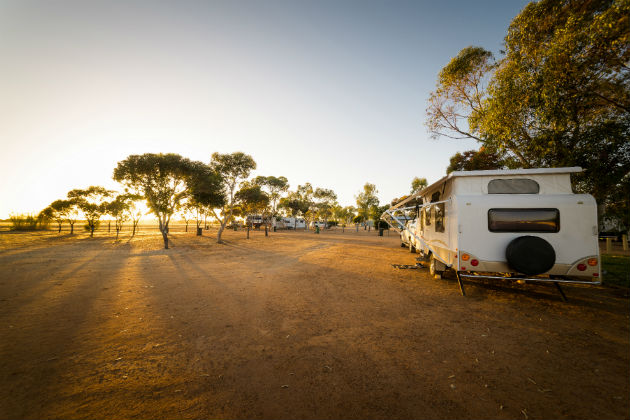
{"points": [[254, 220], [406, 238], [525, 224], [291, 223]]}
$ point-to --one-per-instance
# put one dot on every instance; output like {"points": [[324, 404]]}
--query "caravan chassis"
{"points": [[388, 216]]}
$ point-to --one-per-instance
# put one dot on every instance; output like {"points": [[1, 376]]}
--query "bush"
{"points": [[25, 222], [96, 226], [381, 224]]}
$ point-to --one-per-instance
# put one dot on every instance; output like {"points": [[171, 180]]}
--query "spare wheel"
{"points": [[530, 255]]}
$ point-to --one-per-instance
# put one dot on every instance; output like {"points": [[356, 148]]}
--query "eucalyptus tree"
{"points": [[251, 198], [325, 199], [162, 179], [233, 168], [55, 211], [118, 208], [559, 95], [206, 191], [367, 201], [91, 202], [275, 186], [417, 184]]}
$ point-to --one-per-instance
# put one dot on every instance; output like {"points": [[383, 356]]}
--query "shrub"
{"points": [[24, 222]]}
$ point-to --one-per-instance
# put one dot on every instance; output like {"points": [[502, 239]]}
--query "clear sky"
{"points": [[328, 92]]}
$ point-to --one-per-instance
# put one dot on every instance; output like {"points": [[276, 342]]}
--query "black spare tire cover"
{"points": [[530, 255]]}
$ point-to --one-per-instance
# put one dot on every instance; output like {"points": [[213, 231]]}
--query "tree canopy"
{"points": [[163, 179], [559, 95], [232, 168]]}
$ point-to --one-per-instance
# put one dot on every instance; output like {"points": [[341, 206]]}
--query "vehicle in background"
{"points": [[291, 223], [406, 238]]}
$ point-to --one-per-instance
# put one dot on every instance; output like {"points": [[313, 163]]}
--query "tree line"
{"points": [[170, 184], [559, 95]]}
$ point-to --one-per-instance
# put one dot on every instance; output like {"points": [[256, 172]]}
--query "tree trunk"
{"points": [[220, 232], [117, 231], [71, 228], [59, 228], [247, 231], [91, 230], [165, 237], [266, 230], [109, 227], [134, 229]]}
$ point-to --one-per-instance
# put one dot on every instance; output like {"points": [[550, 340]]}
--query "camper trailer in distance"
{"points": [[525, 224]]}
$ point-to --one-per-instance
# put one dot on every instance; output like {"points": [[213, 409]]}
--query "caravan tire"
{"points": [[530, 255], [433, 263]]}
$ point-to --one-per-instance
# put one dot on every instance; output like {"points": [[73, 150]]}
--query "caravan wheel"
{"points": [[412, 248], [433, 266]]}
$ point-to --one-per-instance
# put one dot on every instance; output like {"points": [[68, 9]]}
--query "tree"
{"points": [[417, 184], [325, 199], [367, 201], [163, 181], [56, 211], [560, 95], [233, 168], [92, 203], [251, 198], [206, 191], [275, 186], [118, 208], [476, 160]]}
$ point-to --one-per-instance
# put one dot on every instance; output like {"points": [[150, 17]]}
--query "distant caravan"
{"points": [[522, 224]]}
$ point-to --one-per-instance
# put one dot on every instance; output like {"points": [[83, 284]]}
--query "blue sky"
{"points": [[328, 92]]}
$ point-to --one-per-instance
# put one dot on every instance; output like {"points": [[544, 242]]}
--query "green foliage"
{"points": [[274, 186], [367, 202], [417, 184], [325, 200], [476, 160], [24, 222], [560, 96], [163, 179], [251, 198], [91, 202], [232, 168]]}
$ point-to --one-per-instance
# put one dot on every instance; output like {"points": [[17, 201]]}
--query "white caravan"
{"points": [[293, 223], [525, 224]]}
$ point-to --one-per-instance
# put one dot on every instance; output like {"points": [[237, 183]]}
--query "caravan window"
{"points": [[427, 215], [439, 217], [523, 220], [513, 186]]}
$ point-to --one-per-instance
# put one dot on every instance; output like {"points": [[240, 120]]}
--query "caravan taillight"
{"points": [[465, 257], [474, 263], [581, 267], [592, 262]]}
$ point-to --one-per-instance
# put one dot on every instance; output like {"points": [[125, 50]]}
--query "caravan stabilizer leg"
{"points": [[564, 298], [461, 285]]}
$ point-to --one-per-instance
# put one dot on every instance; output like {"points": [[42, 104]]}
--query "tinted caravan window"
{"points": [[513, 186], [439, 217], [523, 220]]}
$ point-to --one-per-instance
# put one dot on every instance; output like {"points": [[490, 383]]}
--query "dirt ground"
{"points": [[293, 326]]}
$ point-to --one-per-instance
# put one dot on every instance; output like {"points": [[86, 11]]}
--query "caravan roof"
{"points": [[556, 186]]}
